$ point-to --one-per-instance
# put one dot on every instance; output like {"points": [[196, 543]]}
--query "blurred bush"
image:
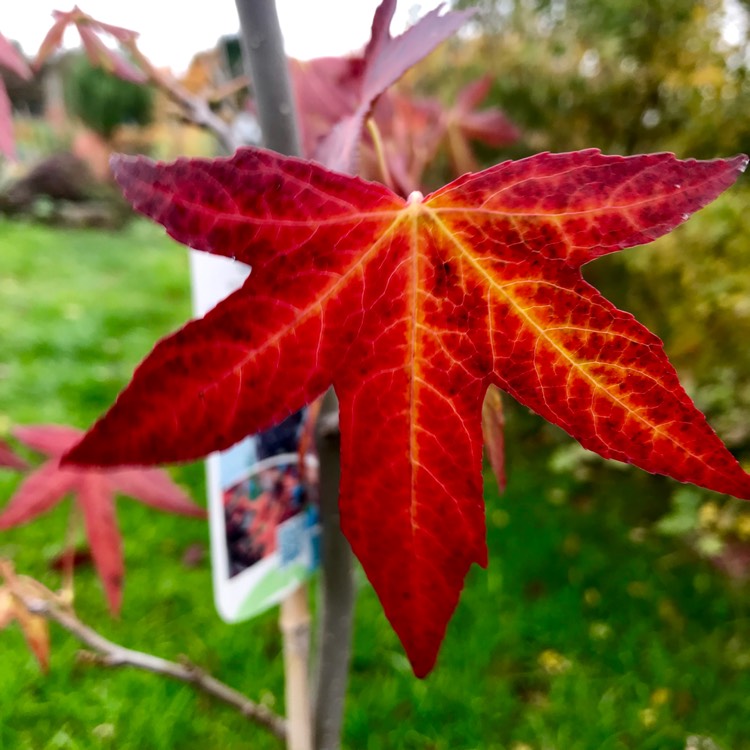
{"points": [[103, 101]]}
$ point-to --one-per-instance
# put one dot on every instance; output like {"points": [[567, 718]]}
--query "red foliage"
{"points": [[95, 491], [412, 309], [98, 52], [9, 458], [11, 60]]}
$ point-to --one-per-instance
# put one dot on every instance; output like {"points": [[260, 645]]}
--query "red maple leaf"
{"points": [[465, 122], [96, 50], [411, 309], [94, 490]]}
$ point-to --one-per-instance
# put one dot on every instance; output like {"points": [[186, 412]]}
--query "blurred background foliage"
{"points": [[103, 101]]}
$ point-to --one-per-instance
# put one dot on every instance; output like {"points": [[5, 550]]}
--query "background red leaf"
{"points": [[386, 59], [95, 490]]}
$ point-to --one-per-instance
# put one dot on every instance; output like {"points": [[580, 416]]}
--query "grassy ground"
{"points": [[587, 631]]}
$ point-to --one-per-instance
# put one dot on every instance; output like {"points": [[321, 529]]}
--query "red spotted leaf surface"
{"points": [[412, 309], [95, 491]]}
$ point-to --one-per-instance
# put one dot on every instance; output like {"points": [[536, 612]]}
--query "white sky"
{"points": [[171, 31]]}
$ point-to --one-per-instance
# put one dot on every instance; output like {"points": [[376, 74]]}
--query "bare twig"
{"points": [[41, 601], [195, 108]]}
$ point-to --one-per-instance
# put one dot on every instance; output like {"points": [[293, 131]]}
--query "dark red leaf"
{"points": [[412, 308], [94, 490]]}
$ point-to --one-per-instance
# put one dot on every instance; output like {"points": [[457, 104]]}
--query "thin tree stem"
{"points": [[263, 48], [337, 589], [109, 654]]}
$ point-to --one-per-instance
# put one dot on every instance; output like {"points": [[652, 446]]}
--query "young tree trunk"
{"points": [[267, 67]]}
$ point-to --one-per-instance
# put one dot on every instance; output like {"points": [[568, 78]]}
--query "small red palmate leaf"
{"points": [[95, 500], [156, 489], [97, 52], [11, 59], [106, 58], [38, 493], [386, 59], [465, 123], [412, 309], [94, 490], [491, 126], [9, 458], [50, 439], [54, 37]]}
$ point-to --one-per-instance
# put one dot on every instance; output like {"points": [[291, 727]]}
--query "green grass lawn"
{"points": [[587, 631]]}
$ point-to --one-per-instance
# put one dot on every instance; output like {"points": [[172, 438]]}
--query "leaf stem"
{"points": [[377, 141]]}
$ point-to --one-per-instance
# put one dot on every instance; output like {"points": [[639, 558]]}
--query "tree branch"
{"points": [[195, 108], [109, 654]]}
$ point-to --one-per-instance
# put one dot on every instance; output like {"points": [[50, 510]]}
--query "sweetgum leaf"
{"points": [[411, 309], [95, 491]]}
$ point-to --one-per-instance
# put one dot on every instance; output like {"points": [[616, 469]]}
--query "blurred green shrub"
{"points": [[103, 101]]}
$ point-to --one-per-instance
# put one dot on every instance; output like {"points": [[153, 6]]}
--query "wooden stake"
{"points": [[294, 622]]}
